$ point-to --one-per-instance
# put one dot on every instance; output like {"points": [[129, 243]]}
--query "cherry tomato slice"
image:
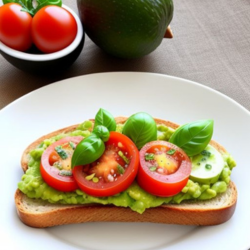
{"points": [[56, 166], [15, 27], [113, 172], [164, 168]]}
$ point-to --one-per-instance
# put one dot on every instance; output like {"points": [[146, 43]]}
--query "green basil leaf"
{"points": [[102, 132], [32, 6], [103, 117], [87, 151], [140, 128], [11, 1], [193, 137], [43, 3]]}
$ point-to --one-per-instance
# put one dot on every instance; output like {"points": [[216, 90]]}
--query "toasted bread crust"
{"points": [[38, 213]]}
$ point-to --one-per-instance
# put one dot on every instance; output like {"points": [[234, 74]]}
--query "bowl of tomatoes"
{"points": [[42, 40]]}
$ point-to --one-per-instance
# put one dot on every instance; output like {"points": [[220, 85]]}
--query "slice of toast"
{"points": [[39, 213]]}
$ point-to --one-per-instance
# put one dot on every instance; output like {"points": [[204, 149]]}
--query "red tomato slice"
{"points": [[164, 168], [113, 172], [54, 168]]}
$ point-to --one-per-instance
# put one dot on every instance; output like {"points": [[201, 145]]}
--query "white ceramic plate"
{"points": [[75, 100]]}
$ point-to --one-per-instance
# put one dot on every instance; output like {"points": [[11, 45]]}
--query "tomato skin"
{"points": [[50, 174], [159, 184], [15, 27], [103, 189], [53, 28]]}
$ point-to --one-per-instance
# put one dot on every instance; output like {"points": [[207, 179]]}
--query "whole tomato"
{"points": [[53, 28], [15, 27]]}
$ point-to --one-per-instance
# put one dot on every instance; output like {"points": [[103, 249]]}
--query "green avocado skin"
{"points": [[126, 28]]}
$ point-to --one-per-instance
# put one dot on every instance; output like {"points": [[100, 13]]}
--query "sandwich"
{"points": [[127, 169]]}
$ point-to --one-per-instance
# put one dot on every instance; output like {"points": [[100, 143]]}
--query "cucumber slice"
{"points": [[207, 166]]}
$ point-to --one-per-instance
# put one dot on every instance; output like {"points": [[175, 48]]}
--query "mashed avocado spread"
{"points": [[134, 197]]}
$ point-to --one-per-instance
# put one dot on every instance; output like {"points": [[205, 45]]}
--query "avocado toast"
{"points": [[133, 204]]}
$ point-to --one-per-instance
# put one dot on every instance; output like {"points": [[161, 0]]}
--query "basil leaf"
{"points": [[10, 1], [103, 117], [92, 147], [32, 6], [102, 132], [140, 128], [43, 3], [193, 137], [87, 151]]}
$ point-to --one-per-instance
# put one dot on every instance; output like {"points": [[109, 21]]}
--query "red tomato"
{"points": [[15, 27], [164, 168], [54, 168], [53, 28], [113, 172]]}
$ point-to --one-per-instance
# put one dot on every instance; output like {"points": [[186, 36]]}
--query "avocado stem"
{"points": [[168, 33]]}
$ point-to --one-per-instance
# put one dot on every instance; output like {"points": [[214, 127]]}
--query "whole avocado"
{"points": [[126, 28]]}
